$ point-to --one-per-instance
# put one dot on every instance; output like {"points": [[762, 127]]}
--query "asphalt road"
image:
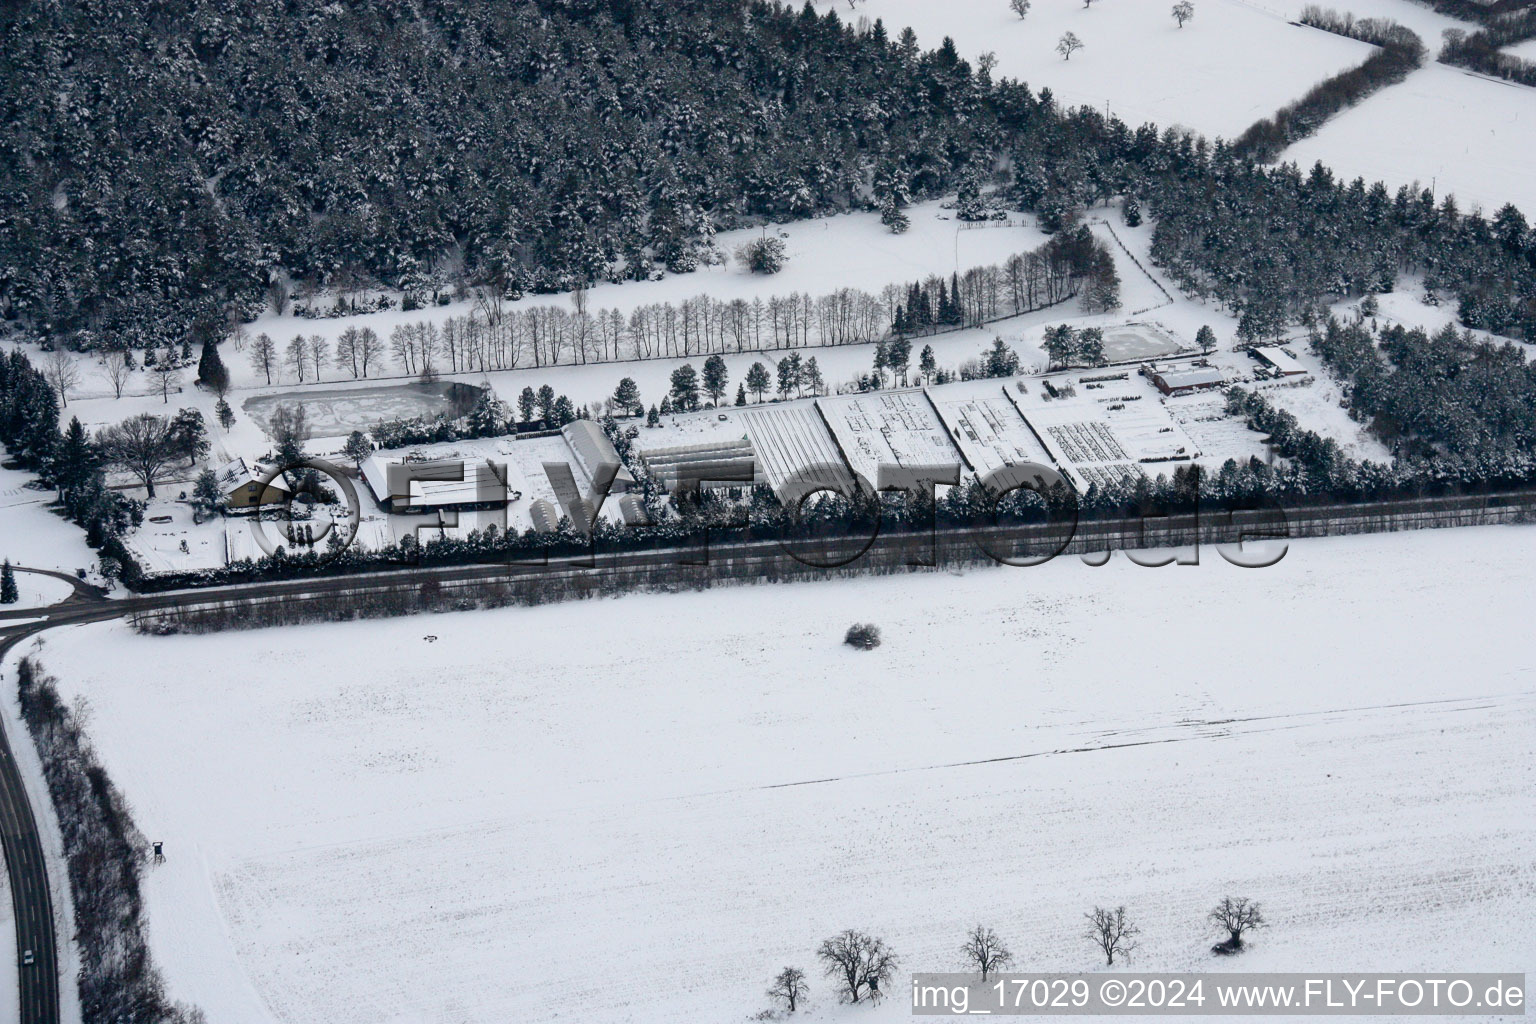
{"points": [[30, 899]]}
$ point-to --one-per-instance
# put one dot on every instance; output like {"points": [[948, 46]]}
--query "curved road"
{"points": [[30, 899]]}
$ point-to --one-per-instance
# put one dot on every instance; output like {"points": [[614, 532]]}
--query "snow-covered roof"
{"points": [[236, 474], [457, 482], [1280, 360], [593, 449], [1194, 377]]}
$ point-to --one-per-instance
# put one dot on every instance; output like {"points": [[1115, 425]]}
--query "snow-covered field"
{"points": [[640, 809], [1525, 50], [1462, 133], [1236, 62], [30, 534]]}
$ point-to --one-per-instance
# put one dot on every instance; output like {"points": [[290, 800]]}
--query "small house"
{"points": [[243, 488]]}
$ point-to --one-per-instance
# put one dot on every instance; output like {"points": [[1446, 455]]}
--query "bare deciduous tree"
{"points": [[264, 354], [1183, 11], [984, 951], [1235, 915], [789, 988], [167, 377], [859, 962], [1019, 7], [1068, 45], [119, 370], [62, 373], [1113, 932], [489, 301], [370, 348], [297, 353], [318, 348], [289, 426], [142, 445]]}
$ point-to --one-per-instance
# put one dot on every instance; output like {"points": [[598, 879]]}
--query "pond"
{"points": [[339, 411]]}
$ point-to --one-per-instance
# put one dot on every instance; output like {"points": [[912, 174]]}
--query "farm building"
{"points": [[1279, 361], [243, 488], [593, 449], [1187, 380], [545, 518], [427, 485], [728, 462]]}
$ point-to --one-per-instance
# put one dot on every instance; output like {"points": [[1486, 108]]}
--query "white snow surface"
{"points": [[1236, 62], [32, 535], [640, 809], [1442, 127]]}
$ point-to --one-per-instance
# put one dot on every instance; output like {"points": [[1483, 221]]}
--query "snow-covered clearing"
{"points": [[31, 534], [1463, 133], [1525, 50], [823, 255], [1236, 62], [366, 826], [38, 591]]}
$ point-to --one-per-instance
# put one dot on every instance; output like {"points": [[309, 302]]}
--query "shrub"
{"points": [[863, 635]]}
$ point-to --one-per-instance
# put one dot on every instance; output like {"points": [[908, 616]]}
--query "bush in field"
{"points": [[863, 635], [763, 255]]}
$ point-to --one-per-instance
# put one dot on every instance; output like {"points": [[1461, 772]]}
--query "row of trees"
{"points": [[1073, 263], [1483, 50], [1401, 51], [546, 335], [106, 853], [862, 965]]}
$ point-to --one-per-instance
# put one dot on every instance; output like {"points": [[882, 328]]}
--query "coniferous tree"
{"points": [[627, 397], [357, 448], [927, 364], [685, 388], [9, 593], [76, 460], [1130, 212], [716, 378], [811, 376], [758, 380], [206, 492], [211, 372]]}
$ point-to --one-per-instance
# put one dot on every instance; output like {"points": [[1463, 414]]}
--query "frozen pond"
{"points": [[340, 411], [1137, 341]]}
